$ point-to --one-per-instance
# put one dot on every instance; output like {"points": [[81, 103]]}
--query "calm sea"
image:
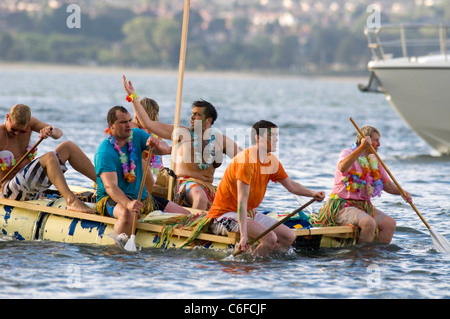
{"points": [[313, 118]]}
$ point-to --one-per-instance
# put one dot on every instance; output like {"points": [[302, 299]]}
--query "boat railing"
{"points": [[407, 41]]}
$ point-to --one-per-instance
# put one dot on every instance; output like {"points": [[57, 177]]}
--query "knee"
{"points": [[269, 240], [199, 199], [48, 158], [388, 224], [123, 214], [290, 237], [368, 224], [67, 145]]}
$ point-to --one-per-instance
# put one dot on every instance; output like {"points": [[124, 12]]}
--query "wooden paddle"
{"points": [[22, 159], [131, 243], [181, 67], [268, 230], [440, 243]]}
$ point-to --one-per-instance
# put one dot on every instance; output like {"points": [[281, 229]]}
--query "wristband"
{"points": [[131, 97]]}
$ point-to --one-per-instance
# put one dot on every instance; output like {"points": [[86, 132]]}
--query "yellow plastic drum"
{"points": [[19, 223], [74, 230]]}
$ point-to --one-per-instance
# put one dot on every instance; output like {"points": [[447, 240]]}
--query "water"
{"points": [[313, 118]]}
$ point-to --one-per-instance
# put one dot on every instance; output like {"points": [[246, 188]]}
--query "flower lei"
{"points": [[9, 162], [129, 173], [198, 154], [33, 153], [356, 181], [6, 165]]}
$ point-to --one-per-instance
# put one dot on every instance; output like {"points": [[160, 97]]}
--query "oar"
{"points": [[22, 159], [181, 67], [268, 230], [441, 244], [131, 243]]}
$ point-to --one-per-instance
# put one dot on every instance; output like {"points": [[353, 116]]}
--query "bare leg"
{"points": [[266, 243], [197, 198], [175, 208], [124, 221], [68, 151], [285, 237], [367, 227], [386, 227], [50, 164]]}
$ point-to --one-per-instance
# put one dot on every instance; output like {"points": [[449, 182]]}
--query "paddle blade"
{"points": [[440, 243], [131, 244], [302, 201]]}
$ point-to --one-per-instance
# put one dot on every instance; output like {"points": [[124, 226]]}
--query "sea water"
{"points": [[313, 117]]}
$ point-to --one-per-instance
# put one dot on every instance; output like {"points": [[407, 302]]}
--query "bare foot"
{"points": [[78, 206]]}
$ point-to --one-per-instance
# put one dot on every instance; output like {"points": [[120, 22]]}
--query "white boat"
{"points": [[410, 64]]}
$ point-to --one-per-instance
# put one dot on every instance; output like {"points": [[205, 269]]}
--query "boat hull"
{"points": [[49, 221], [420, 96]]}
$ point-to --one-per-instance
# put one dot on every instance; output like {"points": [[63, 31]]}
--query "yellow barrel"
{"points": [[74, 230], [19, 223]]}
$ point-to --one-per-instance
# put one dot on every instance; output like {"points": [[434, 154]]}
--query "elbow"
{"points": [[342, 169]]}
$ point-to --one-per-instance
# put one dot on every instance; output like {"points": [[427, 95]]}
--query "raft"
{"points": [[47, 219]]}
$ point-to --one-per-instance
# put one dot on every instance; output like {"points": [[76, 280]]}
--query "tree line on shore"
{"points": [[118, 36]]}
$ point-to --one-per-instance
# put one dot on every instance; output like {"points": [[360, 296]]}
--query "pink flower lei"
{"points": [[355, 181], [129, 173]]}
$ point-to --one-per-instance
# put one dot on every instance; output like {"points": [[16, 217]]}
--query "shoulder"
{"points": [[344, 153], [137, 132]]}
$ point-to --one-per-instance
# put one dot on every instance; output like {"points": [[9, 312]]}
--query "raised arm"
{"points": [[347, 162], [230, 147], [161, 129]]}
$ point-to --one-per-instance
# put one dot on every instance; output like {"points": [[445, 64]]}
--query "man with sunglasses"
{"points": [[31, 177]]}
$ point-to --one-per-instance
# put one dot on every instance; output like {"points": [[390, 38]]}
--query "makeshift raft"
{"points": [[47, 219]]}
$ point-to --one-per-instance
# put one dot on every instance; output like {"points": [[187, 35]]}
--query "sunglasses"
{"points": [[15, 130]]}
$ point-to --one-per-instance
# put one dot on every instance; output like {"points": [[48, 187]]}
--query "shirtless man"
{"points": [[23, 183], [195, 165]]}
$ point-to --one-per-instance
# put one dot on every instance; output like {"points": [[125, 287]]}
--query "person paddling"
{"points": [[242, 190], [358, 178], [119, 169], [34, 174]]}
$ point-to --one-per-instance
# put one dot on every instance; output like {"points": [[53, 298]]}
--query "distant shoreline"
{"points": [[35, 66]]}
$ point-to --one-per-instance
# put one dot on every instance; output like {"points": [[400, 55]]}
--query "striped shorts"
{"points": [[228, 222], [29, 182]]}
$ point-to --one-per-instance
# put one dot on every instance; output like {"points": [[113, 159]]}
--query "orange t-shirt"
{"points": [[247, 168]]}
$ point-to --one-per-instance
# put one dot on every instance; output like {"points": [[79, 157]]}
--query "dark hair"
{"points": [[210, 110], [260, 127], [112, 116]]}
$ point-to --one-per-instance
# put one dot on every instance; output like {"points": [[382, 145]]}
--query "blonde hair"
{"points": [[367, 131], [20, 114], [151, 108]]}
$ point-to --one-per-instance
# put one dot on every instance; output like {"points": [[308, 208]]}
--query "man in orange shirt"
{"points": [[242, 190]]}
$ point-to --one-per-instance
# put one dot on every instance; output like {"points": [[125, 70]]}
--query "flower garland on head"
{"points": [[198, 153], [128, 169], [356, 181]]}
